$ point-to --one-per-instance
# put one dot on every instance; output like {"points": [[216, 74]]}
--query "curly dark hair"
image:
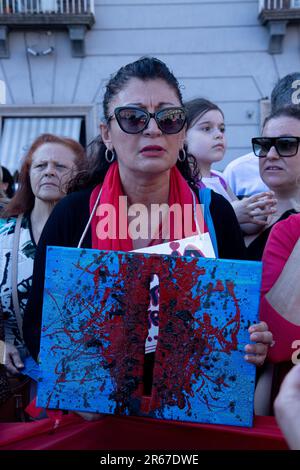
{"points": [[145, 68]]}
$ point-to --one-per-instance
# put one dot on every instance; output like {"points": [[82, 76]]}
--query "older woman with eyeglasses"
{"points": [[47, 168], [279, 166], [141, 157]]}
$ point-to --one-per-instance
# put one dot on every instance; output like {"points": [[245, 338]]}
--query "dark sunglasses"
{"points": [[285, 146], [134, 120]]}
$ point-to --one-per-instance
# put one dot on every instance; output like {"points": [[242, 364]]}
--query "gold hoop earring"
{"points": [[182, 155], [110, 158]]}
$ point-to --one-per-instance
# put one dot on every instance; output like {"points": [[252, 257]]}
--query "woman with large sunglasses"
{"points": [[140, 156], [279, 166]]}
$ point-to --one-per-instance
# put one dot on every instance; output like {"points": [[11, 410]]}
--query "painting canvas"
{"points": [[95, 327]]}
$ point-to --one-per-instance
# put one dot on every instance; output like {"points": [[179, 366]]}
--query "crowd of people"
{"points": [[154, 148]]}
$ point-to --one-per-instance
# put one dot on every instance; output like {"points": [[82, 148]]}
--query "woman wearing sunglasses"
{"points": [[279, 166], [140, 156]]}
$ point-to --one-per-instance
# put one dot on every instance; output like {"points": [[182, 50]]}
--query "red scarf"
{"points": [[180, 193]]}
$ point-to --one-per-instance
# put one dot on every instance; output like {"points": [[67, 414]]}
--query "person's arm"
{"points": [[281, 243], [63, 228], [287, 408], [283, 296]]}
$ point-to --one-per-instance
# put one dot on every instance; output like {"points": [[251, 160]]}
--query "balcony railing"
{"points": [[31, 7], [75, 16], [276, 15], [278, 4], [271, 4]]}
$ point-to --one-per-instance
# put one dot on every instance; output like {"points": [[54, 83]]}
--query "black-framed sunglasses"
{"points": [[286, 146], [134, 120]]}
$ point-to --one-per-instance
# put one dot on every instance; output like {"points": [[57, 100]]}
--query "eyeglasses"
{"points": [[134, 120], [285, 146]]}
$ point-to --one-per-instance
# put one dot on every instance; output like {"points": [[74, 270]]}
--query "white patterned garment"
{"points": [[27, 249], [153, 312]]}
